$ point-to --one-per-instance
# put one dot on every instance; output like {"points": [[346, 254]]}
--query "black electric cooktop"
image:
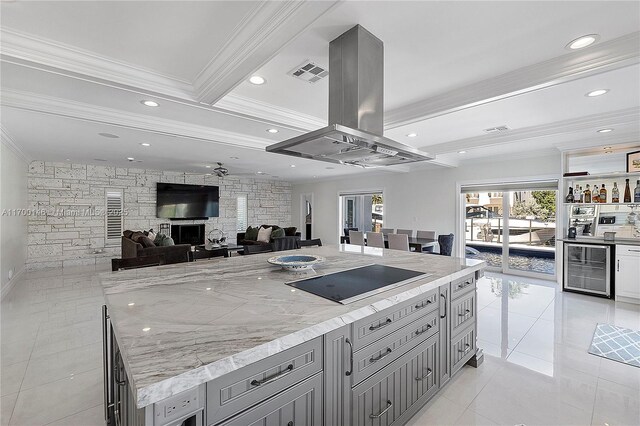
{"points": [[358, 283]]}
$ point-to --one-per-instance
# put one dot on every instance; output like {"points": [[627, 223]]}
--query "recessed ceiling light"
{"points": [[272, 130], [412, 135], [109, 135], [462, 152], [605, 130], [131, 304], [208, 288], [259, 173], [99, 159], [208, 167], [130, 158], [598, 92], [149, 103], [146, 329], [145, 144], [582, 42], [608, 152], [235, 158], [68, 159], [257, 80], [293, 165]]}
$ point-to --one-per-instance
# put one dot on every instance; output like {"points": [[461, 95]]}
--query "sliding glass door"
{"points": [[363, 212], [512, 227]]}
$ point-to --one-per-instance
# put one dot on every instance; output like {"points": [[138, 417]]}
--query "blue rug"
{"points": [[616, 343]]}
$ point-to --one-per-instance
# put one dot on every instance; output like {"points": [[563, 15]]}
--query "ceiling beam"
{"points": [[603, 57], [258, 38]]}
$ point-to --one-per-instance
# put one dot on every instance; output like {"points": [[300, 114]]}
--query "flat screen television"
{"points": [[179, 201]]}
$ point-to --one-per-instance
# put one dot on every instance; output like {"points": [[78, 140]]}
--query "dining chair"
{"points": [[356, 238], [398, 242], [408, 232], [446, 244], [375, 239], [427, 234], [387, 231]]}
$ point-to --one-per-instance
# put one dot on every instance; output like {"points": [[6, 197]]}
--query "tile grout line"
{"points": [[595, 397], [70, 415]]}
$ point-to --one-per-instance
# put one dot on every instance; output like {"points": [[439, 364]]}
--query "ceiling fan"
{"points": [[220, 171]]}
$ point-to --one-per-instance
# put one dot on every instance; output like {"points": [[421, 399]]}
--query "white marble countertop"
{"points": [[182, 325]]}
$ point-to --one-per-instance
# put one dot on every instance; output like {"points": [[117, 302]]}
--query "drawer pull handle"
{"points": [[429, 372], [464, 284], [348, 342], [466, 311], [423, 305], [372, 359], [467, 348], [384, 324], [424, 329], [290, 424], [377, 416], [284, 372]]}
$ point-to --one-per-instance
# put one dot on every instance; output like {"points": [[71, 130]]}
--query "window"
{"points": [[242, 210], [113, 216]]}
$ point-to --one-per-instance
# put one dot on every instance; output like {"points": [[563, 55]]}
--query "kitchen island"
{"points": [[226, 342]]}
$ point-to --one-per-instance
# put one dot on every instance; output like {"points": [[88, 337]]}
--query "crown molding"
{"points": [[258, 37], [269, 113], [625, 117], [23, 48], [92, 113], [607, 56], [9, 142]]}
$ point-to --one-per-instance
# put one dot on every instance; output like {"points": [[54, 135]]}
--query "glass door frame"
{"points": [[342, 195], [460, 246]]}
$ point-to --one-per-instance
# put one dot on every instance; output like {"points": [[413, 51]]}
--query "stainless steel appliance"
{"points": [[354, 134], [587, 269], [357, 283]]}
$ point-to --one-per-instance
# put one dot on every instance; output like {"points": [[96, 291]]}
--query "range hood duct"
{"points": [[354, 135]]}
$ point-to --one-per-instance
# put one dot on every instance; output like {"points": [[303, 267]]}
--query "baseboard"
{"points": [[12, 282]]}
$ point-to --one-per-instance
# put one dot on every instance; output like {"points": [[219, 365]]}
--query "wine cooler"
{"points": [[587, 269]]}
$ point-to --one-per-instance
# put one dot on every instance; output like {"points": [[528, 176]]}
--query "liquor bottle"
{"points": [[636, 192], [580, 195], [570, 198], [615, 193], [587, 195], [595, 194], [627, 192], [603, 194]]}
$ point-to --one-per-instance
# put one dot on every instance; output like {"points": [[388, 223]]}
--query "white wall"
{"points": [[13, 228], [418, 200]]}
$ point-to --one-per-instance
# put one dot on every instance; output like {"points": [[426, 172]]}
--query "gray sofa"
{"points": [[168, 254]]}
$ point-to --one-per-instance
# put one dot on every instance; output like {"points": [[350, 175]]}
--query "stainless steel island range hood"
{"points": [[354, 135]]}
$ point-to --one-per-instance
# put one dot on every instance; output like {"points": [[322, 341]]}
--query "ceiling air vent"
{"points": [[309, 72], [502, 128]]}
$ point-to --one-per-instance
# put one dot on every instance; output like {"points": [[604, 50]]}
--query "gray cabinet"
{"points": [[338, 368], [463, 312], [300, 405], [247, 386], [463, 347], [392, 395], [444, 360]]}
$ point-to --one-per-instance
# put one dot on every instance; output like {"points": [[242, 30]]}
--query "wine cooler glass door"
{"points": [[587, 268]]}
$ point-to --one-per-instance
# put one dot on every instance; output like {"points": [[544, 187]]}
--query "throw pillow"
{"points": [[151, 235], [264, 234], [127, 233], [158, 239], [291, 231], [136, 236], [167, 241], [251, 234], [277, 233], [146, 241]]}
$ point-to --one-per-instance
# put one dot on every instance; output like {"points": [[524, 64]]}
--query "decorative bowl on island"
{"points": [[296, 262]]}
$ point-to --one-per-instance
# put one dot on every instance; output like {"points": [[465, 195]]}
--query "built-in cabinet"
{"points": [[627, 273]]}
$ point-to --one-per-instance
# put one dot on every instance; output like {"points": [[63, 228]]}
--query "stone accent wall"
{"points": [[58, 240]]}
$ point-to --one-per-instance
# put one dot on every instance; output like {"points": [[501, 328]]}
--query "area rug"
{"points": [[616, 343]]}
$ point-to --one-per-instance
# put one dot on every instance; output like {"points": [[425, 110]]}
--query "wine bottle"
{"points": [[595, 194], [603, 194], [627, 192], [587, 195], [615, 193], [636, 193]]}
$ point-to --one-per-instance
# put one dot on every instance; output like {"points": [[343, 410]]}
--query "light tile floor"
{"points": [[536, 372]]}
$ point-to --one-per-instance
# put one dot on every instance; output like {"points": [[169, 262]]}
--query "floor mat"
{"points": [[616, 343]]}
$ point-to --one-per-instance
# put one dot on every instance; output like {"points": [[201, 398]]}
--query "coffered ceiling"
{"points": [[71, 70]]}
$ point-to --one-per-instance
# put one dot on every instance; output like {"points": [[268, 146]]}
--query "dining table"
{"points": [[418, 244]]}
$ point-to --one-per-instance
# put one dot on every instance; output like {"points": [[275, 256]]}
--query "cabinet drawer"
{"points": [[374, 327], [243, 388], [379, 354], [622, 250], [462, 285], [463, 312], [409, 381], [463, 348], [299, 405]]}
